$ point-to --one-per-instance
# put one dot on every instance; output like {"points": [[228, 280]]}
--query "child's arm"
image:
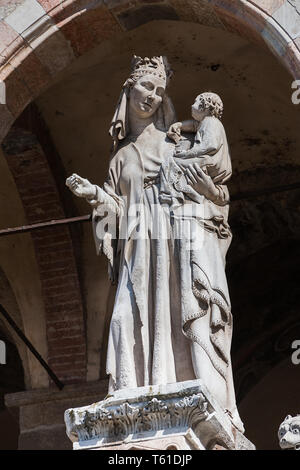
{"points": [[190, 154], [189, 126], [209, 143], [177, 128]]}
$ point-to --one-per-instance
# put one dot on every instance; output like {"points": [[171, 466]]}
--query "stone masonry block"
{"points": [[288, 17], [8, 6], [49, 5], [25, 15], [55, 53], [89, 29], [7, 35], [268, 6]]}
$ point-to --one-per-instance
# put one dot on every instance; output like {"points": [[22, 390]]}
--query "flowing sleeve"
{"points": [[107, 196], [107, 209]]}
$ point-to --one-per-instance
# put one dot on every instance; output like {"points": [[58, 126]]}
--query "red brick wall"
{"points": [[55, 256]]}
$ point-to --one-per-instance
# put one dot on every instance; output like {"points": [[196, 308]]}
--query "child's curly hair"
{"points": [[212, 102]]}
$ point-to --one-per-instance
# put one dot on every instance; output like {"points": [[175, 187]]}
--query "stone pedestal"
{"points": [[178, 416]]}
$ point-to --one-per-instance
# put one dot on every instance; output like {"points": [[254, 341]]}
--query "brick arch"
{"points": [[40, 38], [28, 154]]}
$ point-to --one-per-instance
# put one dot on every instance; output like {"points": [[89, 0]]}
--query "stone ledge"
{"points": [[32, 397], [154, 413]]}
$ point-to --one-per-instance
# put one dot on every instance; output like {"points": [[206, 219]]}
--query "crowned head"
{"points": [[157, 66], [143, 96], [147, 84]]}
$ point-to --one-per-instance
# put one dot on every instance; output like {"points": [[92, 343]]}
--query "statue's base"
{"points": [[179, 416]]}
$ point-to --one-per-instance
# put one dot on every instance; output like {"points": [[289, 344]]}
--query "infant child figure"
{"points": [[209, 154], [210, 147]]}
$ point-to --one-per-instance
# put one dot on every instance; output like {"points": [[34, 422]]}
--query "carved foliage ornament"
{"points": [[115, 421]]}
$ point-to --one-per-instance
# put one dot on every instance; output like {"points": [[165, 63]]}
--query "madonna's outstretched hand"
{"points": [[81, 187]]}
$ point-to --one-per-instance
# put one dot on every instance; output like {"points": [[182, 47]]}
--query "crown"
{"points": [[157, 66]]}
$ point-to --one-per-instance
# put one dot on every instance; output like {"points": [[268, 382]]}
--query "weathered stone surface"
{"points": [[47, 438], [48, 5], [7, 7], [11, 50], [25, 15], [288, 17], [134, 17], [275, 38], [39, 31], [7, 35], [268, 6], [89, 29], [17, 93], [196, 11], [292, 59], [6, 120], [118, 3], [55, 53], [242, 20], [32, 71]]}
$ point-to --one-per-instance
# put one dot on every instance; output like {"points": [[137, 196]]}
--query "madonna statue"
{"points": [[166, 249]]}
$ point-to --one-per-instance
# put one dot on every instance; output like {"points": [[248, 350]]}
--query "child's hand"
{"points": [[174, 132]]}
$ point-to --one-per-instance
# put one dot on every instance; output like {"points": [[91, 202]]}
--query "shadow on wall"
{"points": [[272, 399], [9, 431], [265, 299], [11, 380]]}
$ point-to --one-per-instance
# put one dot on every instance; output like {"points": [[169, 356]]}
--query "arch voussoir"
{"points": [[265, 21], [292, 58], [87, 29], [240, 18], [17, 95], [33, 53]]}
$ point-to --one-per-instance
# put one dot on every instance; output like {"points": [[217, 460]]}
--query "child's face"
{"points": [[198, 111]]}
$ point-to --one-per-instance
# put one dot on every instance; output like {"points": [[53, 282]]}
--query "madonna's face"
{"points": [[146, 95]]}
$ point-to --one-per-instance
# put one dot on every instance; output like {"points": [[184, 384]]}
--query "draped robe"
{"points": [[171, 320]]}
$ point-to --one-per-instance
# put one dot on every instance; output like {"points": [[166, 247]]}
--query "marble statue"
{"points": [[289, 433], [172, 318]]}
